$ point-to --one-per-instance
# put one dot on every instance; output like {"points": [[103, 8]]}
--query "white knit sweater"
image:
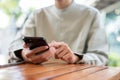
{"points": [[76, 25]]}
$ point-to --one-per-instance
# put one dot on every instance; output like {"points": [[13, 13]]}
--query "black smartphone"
{"points": [[34, 42]]}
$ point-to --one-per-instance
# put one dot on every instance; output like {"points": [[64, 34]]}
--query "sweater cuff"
{"points": [[80, 56], [18, 53]]}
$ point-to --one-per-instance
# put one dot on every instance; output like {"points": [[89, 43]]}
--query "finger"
{"points": [[38, 60], [56, 57], [52, 51], [61, 54], [56, 44], [52, 43], [41, 58], [59, 50], [67, 58], [36, 50]]}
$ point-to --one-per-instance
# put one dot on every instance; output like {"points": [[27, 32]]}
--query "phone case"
{"points": [[34, 42]]}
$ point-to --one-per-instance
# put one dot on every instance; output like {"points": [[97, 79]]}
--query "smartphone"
{"points": [[34, 42]]}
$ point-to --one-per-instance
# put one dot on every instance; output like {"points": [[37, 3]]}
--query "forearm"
{"points": [[95, 58]]}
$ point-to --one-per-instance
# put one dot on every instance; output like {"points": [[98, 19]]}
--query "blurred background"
{"points": [[14, 13]]}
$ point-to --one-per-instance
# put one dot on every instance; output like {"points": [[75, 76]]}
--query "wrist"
{"points": [[78, 58]]}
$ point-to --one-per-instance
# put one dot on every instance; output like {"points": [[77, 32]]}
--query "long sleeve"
{"points": [[96, 47], [16, 46], [81, 25]]}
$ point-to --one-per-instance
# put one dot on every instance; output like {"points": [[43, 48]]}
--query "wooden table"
{"points": [[58, 70]]}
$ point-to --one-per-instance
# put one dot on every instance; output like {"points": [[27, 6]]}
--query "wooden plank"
{"points": [[24, 67], [107, 74], [37, 69], [20, 71], [29, 69], [80, 74], [25, 70], [58, 72]]}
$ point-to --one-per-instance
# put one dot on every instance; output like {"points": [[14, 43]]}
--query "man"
{"points": [[76, 30]]}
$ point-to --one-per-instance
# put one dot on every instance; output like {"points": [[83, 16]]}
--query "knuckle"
{"points": [[33, 61], [64, 58], [63, 43], [45, 59]]}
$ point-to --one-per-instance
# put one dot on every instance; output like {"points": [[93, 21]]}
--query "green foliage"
{"points": [[114, 59], [10, 7]]}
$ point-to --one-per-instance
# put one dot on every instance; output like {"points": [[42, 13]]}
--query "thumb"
{"points": [[52, 43], [25, 45]]}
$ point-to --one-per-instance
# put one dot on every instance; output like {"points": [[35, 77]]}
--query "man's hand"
{"points": [[64, 52], [30, 55]]}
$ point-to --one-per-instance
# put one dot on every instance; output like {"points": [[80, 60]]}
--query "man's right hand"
{"points": [[30, 55]]}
